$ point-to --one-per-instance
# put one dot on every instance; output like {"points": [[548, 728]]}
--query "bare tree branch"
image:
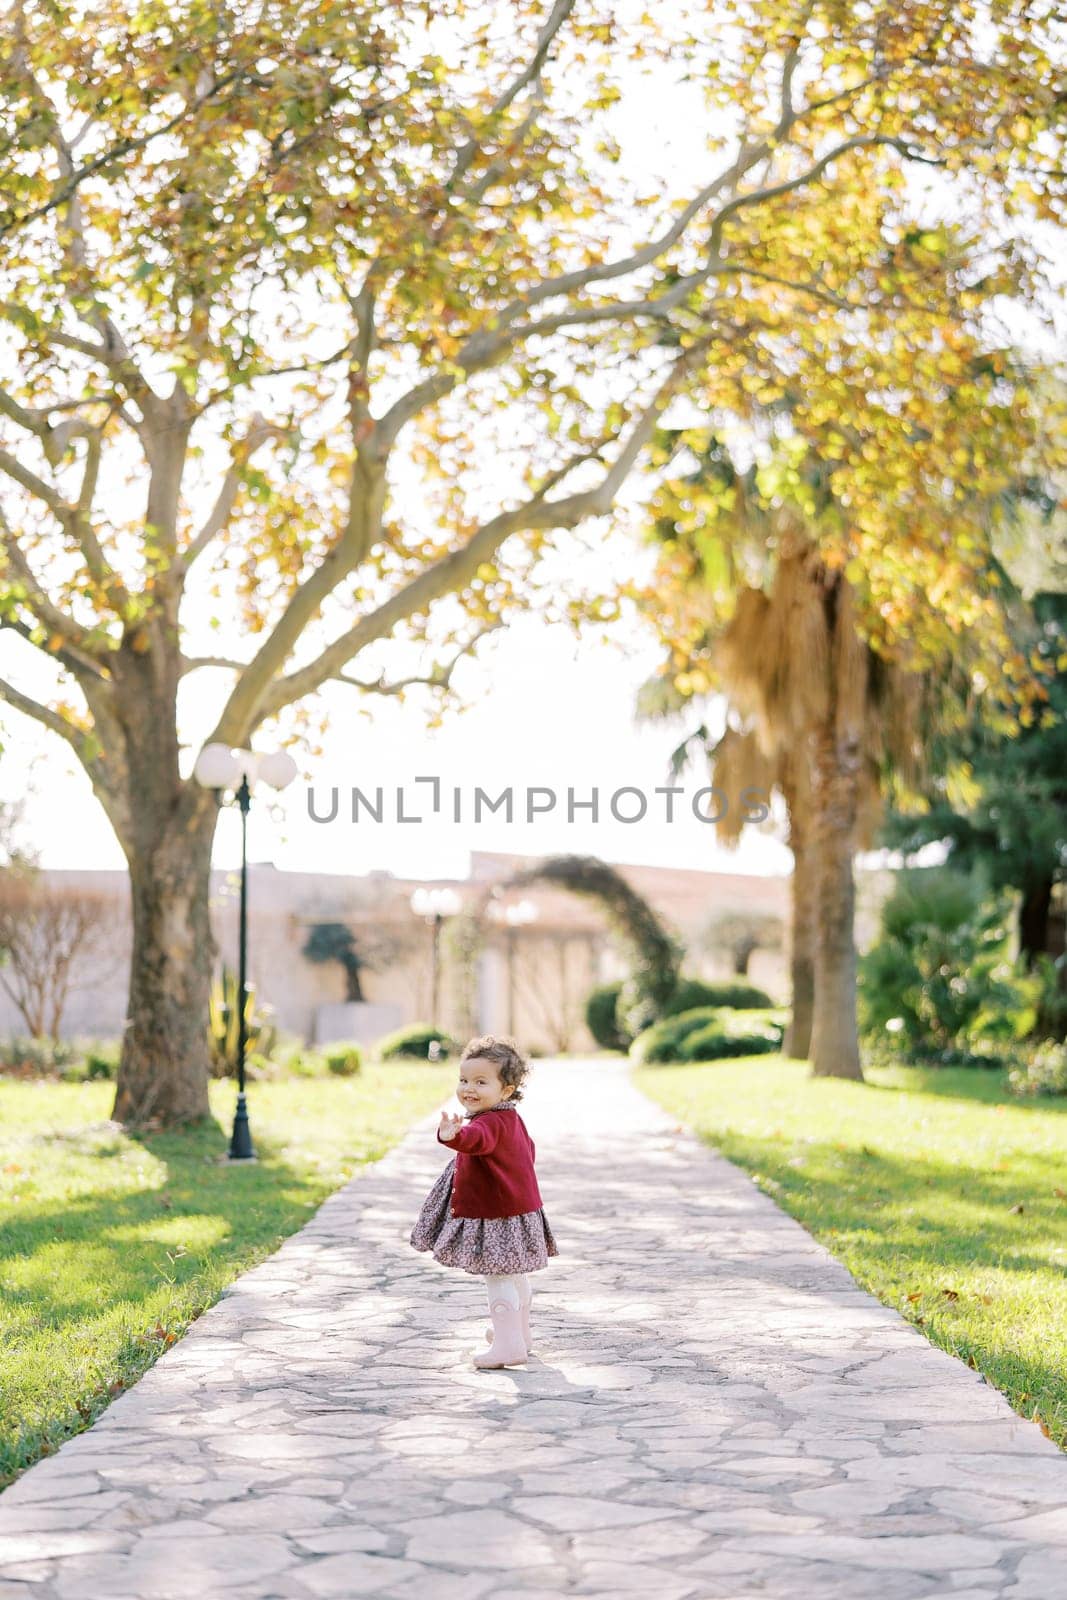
{"points": [[73, 519], [38, 601], [53, 720], [193, 663], [74, 176], [264, 698], [467, 152], [67, 655], [440, 676], [259, 431]]}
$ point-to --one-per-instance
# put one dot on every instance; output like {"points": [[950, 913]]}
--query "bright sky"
{"points": [[542, 710]]}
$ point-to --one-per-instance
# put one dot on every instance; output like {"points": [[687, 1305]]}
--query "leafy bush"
{"points": [[102, 1064], [223, 1022], [344, 1060], [939, 975], [1044, 1073], [305, 1064], [737, 1036], [1050, 974], [415, 1041], [961, 1056], [36, 1057], [600, 1017], [667, 1040], [693, 992]]}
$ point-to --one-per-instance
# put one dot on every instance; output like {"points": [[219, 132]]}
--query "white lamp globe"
{"points": [[247, 766], [278, 769], [216, 768]]}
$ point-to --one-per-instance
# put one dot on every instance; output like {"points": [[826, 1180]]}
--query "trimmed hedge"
{"points": [[415, 1042], [600, 1017], [740, 1033], [694, 992], [714, 1042]]}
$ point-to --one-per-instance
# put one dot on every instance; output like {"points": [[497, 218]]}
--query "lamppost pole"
{"points": [[434, 905], [511, 918], [241, 1140], [435, 965], [219, 767], [512, 936]]}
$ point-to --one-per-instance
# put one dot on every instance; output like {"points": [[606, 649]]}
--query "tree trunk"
{"points": [[797, 1041], [743, 953], [835, 778], [164, 1070], [1034, 916]]}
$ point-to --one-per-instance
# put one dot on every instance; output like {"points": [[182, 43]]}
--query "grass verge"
{"points": [[110, 1246], [943, 1195]]}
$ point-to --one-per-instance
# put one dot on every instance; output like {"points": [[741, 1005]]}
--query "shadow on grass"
{"points": [[98, 1286], [979, 1085]]}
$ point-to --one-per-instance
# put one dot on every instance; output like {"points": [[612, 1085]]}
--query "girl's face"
{"points": [[480, 1086]]}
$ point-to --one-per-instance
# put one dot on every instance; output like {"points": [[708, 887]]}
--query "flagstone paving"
{"points": [[714, 1410]]}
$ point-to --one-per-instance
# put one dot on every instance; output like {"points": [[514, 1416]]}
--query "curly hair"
{"points": [[505, 1055]]}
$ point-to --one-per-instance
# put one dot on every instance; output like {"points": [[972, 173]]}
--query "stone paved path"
{"points": [[716, 1410]]}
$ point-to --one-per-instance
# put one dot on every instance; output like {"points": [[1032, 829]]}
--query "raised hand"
{"points": [[449, 1126]]}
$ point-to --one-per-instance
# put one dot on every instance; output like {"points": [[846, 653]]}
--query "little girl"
{"points": [[484, 1212]]}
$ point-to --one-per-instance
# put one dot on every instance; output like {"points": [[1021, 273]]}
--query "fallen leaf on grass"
{"points": [[950, 1294]]}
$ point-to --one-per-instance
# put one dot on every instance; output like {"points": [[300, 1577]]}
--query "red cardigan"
{"points": [[494, 1173]]}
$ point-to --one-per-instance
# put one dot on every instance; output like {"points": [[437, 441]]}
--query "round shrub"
{"points": [[661, 1041], [101, 1065], [600, 1017], [414, 1042], [668, 1039], [693, 992], [714, 1042], [344, 1059]]}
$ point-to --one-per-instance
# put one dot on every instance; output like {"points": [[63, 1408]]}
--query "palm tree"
{"points": [[836, 717], [815, 712]]}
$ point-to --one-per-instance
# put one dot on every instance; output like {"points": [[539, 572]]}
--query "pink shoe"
{"points": [[508, 1348], [525, 1313]]}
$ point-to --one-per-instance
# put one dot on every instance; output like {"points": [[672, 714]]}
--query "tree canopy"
{"points": [[319, 322]]}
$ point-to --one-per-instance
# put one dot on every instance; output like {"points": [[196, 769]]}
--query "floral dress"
{"points": [[522, 1243]]}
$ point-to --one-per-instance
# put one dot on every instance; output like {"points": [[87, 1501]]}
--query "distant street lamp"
{"points": [[434, 905], [218, 767], [512, 918]]}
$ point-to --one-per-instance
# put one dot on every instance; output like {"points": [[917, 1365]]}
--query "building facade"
{"points": [[532, 978]]}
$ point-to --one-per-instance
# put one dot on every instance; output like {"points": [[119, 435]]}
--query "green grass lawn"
{"points": [[110, 1246], [941, 1193]]}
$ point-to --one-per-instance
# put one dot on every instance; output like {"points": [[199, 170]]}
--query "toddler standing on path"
{"points": [[484, 1213]]}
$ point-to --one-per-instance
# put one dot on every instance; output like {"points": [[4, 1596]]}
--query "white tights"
{"points": [[510, 1287]]}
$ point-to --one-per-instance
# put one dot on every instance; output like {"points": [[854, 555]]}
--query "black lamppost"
{"points": [[435, 905], [511, 918], [218, 767]]}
